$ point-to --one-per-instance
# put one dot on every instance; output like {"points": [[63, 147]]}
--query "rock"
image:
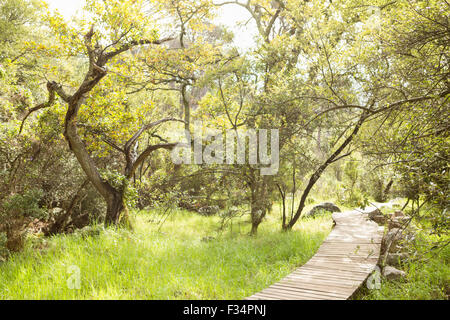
{"points": [[377, 216], [326, 206], [399, 213], [375, 213], [391, 273], [208, 210], [396, 259], [398, 221], [410, 237], [394, 224], [397, 248], [393, 237]]}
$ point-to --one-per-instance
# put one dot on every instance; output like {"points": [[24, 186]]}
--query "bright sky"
{"points": [[229, 16]]}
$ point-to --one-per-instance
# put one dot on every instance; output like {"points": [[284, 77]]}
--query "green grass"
{"points": [[171, 263], [427, 277], [427, 272]]}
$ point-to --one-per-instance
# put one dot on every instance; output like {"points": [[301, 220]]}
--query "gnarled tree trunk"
{"points": [[98, 59], [116, 209]]}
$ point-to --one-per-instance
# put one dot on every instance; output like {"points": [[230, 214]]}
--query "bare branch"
{"points": [[108, 56], [136, 136], [146, 153], [52, 88]]}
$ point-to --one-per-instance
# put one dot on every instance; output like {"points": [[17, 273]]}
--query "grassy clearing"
{"points": [[171, 263]]}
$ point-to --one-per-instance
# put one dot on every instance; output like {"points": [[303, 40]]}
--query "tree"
{"points": [[411, 136], [287, 88], [39, 176], [331, 55]]}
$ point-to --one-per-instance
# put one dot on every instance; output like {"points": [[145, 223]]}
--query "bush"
{"points": [[17, 211], [26, 205], [3, 250]]}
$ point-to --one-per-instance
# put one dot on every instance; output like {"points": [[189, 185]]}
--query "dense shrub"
{"points": [[17, 212]]}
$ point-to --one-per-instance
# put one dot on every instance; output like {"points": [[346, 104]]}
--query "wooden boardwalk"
{"points": [[342, 263]]}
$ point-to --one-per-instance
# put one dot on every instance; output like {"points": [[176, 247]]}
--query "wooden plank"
{"points": [[262, 296], [349, 247], [333, 289], [297, 296], [330, 275], [352, 241], [330, 292], [343, 255], [367, 265], [293, 294], [337, 269], [327, 277], [357, 267], [312, 292], [322, 280], [345, 259]]}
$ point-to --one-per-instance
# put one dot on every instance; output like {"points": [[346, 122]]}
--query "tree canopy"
{"points": [[88, 105]]}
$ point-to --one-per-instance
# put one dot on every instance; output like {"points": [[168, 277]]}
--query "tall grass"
{"points": [[427, 271], [426, 279], [185, 258]]}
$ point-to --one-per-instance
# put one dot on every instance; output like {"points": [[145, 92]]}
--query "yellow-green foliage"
{"points": [[172, 263]]}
